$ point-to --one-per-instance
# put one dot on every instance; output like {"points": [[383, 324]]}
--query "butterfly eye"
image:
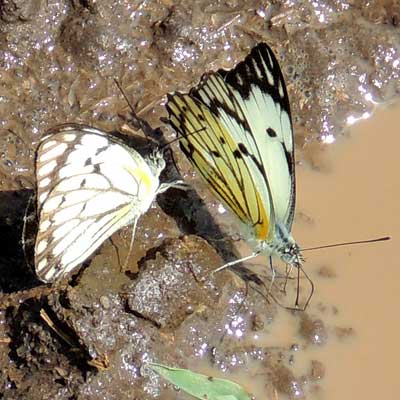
{"points": [[290, 254]]}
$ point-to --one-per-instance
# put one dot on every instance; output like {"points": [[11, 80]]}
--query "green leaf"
{"points": [[200, 386]]}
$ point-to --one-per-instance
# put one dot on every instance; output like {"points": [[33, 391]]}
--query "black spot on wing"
{"points": [[271, 133], [100, 150], [88, 162]]}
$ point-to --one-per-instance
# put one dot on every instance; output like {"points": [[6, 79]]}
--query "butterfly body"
{"points": [[235, 128], [89, 185]]}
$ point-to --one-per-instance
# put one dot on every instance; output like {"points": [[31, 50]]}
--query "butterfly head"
{"points": [[290, 254]]}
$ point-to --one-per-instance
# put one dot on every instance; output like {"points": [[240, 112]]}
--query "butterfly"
{"points": [[89, 185], [236, 129]]}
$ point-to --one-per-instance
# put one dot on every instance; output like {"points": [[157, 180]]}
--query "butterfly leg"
{"points": [[311, 283], [273, 274], [27, 242], [116, 250], [297, 305], [130, 245], [287, 277]]}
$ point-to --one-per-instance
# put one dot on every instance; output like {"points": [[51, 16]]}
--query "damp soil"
{"points": [[89, 336]]}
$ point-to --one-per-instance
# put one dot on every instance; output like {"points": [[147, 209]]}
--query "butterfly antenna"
{"points": [[125, 96], [137, 122], [381, 239], [177, 139]]}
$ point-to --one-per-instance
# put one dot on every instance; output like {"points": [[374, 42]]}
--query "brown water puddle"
{"points": [[356, 196], [345, 197], [349, 194]]}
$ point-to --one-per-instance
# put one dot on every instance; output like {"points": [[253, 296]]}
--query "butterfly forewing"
{"points": [[89, 185], [263, 93], [256, 106]]}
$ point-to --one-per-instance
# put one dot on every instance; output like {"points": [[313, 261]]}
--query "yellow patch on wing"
{"points": [[262, 228], [142, 176]]}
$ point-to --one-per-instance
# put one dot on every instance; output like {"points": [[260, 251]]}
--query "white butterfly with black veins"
{"points": [[236, 129], [89, 185]]}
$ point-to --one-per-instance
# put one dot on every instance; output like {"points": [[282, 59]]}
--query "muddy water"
{"points": [[354, 194], [349, 193]]}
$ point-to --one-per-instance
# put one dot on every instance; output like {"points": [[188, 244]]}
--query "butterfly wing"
{"points": [[89, 185], [236, 129], [210, 147], [252, 102]]}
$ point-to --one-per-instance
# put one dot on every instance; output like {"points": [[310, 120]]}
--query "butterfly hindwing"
{"points": [[89, 185], [209, 146]]}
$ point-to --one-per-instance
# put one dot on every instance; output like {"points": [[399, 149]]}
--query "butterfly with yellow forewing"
{"points": [[89, 185], [235, 127]]}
